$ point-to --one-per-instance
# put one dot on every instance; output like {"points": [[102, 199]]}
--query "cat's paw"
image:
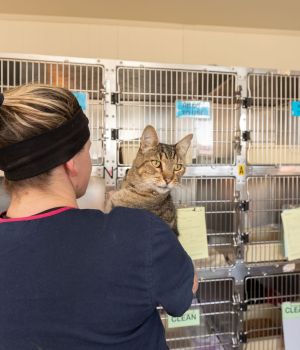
{"points": [[108, 205]]}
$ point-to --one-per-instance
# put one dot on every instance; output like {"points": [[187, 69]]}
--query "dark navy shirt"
{"points": [[81, 280]]}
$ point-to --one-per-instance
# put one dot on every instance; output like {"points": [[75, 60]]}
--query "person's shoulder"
{"points": [[132, 220], [129, 217], [85, 213], [131, 212], [117, 214], [141, 216]]}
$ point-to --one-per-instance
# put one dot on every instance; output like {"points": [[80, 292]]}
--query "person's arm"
{"points": [[196, 284], [172, 270]]}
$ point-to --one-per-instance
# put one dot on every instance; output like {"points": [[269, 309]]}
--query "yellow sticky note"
{"points": [[290, 220], [192, 231]]}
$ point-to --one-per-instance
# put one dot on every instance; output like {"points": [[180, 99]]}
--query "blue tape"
{"points": [[193, 109], [82, 98], [295, 106]]}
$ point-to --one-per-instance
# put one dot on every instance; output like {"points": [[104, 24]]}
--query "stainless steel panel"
{"points": [[86, 78], [268, 197], [217, 321], [148, 95], [262, 322], [274, 131]]}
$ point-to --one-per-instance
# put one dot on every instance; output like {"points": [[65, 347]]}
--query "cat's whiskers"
{"points": [[153, 175]]}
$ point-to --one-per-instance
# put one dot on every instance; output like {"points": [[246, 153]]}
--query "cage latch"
{"points": [[243, 306], [247, 102], [246, 135], [244, 205], [114, 98], [115, 134], [244, 237], [243, 337]]}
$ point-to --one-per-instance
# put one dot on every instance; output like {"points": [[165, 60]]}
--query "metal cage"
{"points": [[274, 131], [268, 197], [247, 177], [87, 78], [216, 318], [148, 96], [216, 195], [262, 322]]}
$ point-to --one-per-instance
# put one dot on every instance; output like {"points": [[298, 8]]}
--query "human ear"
{"points": [[71, 168]]}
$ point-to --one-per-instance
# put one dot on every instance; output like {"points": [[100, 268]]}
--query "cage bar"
{"points": [[214, 315], [75, 77], [148, 96], [268, 197], [274, 131], [264, 295]]}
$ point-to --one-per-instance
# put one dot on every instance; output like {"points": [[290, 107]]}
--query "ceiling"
{"points": [[268, 14]]}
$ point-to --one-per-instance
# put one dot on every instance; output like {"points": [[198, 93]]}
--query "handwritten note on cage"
{"points": [[189, 318], [291, 325], [291, 227], [193, 109], [202, 114], [192, 231]]}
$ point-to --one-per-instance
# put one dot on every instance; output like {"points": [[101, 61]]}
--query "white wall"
{"points": [[156, 42]]}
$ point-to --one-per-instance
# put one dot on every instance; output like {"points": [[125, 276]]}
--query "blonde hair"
{"points": [[31, 110]]}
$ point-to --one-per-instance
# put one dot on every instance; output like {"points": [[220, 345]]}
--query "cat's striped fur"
{"points": [[156, 169]]}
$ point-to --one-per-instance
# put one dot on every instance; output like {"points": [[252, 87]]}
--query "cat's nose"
{"points": [[168, 180]]}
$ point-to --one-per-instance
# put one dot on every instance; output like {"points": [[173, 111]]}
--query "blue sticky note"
{"points": [[295, 106], [192, 109], [82, 98]]}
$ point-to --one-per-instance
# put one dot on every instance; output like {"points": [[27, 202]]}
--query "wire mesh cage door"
{"points": [[210, 322], [86, 79], [268, 197], [273, 125], [264, 295], [150, 96], [216, 195]]}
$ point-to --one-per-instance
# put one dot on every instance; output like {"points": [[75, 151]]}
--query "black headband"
{"points": [[44, 152]]}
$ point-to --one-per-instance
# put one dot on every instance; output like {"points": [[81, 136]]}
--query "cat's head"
{"points": [[159, 166]]}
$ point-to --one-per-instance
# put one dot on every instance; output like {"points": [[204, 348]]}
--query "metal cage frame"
{"points": [[249, 130]]}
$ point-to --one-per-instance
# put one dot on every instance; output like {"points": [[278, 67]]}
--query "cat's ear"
{"points": [[149, 139], [183, 145]]}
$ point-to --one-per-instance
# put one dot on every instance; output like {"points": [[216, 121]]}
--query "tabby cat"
{"points": [[157, 169]]}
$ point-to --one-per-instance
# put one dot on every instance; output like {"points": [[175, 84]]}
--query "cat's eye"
{"points": [[155, 163], [177, 167]]}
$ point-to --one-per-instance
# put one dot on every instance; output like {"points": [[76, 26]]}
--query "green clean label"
{"points": [[190, 318], [290, 310]]}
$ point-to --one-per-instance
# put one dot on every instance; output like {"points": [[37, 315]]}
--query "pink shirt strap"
{"points": [[37, 216]]}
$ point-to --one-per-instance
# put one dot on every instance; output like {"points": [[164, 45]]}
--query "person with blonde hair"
{"points": [[75, 278]]}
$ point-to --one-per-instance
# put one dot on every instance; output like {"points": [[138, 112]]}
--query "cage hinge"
{"points": [[244, 205], [246, 135], [114, 98], [243, 306], [244, 237], [243, 337], [247, 102], [115, 134]]}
